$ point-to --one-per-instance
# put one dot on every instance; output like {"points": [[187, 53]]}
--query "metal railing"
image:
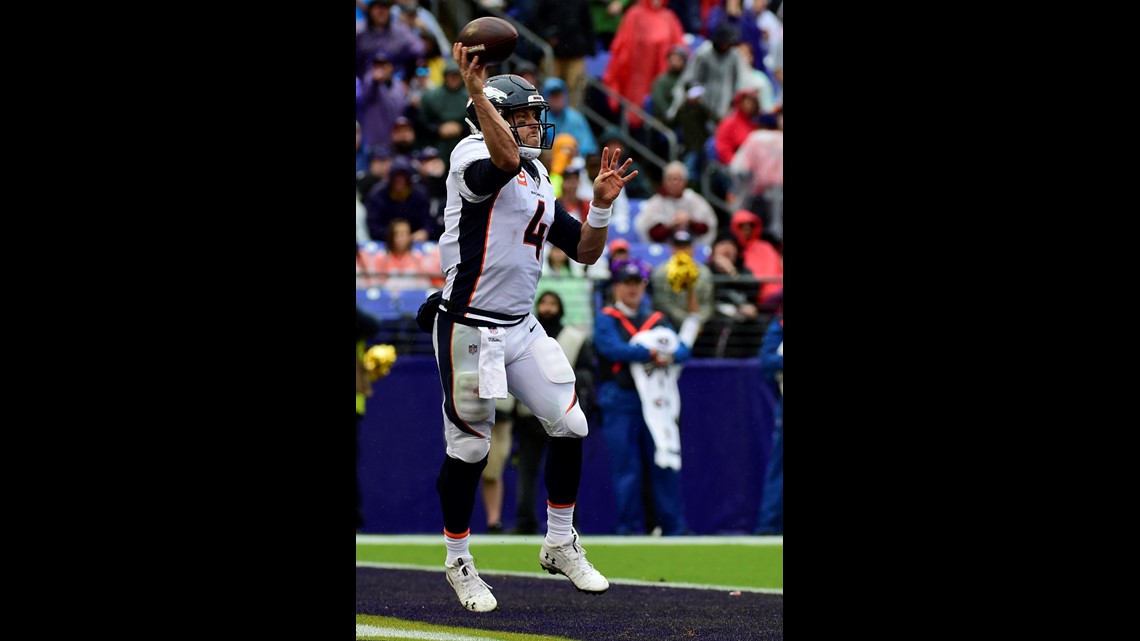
{"points": [[627, 107], [711, 168]]}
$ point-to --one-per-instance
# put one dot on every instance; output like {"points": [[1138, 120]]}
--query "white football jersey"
{"points": [[491, 249]]}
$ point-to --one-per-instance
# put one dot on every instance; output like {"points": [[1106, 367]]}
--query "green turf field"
{"points": [[731, 561]]}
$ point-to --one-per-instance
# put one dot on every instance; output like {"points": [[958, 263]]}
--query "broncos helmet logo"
{"points": [[494, 94]]}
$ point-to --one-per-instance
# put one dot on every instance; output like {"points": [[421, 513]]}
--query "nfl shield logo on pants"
{"points": [[472, 348]]}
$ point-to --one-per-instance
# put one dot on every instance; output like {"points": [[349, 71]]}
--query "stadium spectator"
{"points": [[629, 441], [433, 177], [607, 16], [361, 151], [571, 182], [402, 267], [404, 138], [443, 110], [491, 480], [677, 305], [384, 100], [736, 327], [675, 207], [771, 518], [564, 150], [733, 130], [754, 78], [637, 56], [383, 34], [528, 71], [759, 256], [419, 21], [571, 35], [379, 165], [399, 197], [567, 119], [716, 66], [696, 123], [758, 171], [663, 84]]}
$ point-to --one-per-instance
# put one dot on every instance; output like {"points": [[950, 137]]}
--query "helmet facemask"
{"points": [[545, 132]]}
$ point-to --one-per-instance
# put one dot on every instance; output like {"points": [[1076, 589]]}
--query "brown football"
{"points": [[492, 39]]}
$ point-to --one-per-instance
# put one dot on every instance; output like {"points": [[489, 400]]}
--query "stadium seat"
{"points": [[372, 248], [635, 207], [652, 253], [400, 303], [702, 252], [371, 301], [396, 312], [623, 229], [657, 253]]}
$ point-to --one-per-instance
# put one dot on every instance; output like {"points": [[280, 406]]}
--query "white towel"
{"points": [[492, 370], [660, 398]]}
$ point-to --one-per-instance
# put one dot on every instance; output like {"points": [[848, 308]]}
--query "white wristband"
{"points": [[599, 218]]}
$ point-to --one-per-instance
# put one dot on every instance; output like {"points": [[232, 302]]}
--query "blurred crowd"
{"points": [[709, 70]]}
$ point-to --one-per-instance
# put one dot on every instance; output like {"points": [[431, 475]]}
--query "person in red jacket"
{"points": [[760, 257], [638, 53], [734, 129]]}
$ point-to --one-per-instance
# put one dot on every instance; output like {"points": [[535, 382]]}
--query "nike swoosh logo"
{"points": [[533, 326]]}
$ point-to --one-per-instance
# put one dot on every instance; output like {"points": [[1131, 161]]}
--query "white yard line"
{"points": [[490, 573], [498, 539], [396, 633]]}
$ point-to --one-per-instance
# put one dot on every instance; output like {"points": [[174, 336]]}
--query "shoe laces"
{"points": [[471, 579], [577, 553]]}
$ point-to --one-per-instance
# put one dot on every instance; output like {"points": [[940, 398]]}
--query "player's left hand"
{"points": [[610, 181]]}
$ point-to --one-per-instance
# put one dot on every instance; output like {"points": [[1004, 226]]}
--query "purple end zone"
{"points": [[538, 606]]}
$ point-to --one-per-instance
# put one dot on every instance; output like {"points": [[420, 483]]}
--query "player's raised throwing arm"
{"points": [[500, 142], [607, 186]]}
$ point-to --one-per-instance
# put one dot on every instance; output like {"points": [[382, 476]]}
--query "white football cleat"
{"points": [[473, 593], [570, 561]]}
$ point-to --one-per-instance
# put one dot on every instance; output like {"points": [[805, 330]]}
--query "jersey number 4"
{"points": [[536, 230]]}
